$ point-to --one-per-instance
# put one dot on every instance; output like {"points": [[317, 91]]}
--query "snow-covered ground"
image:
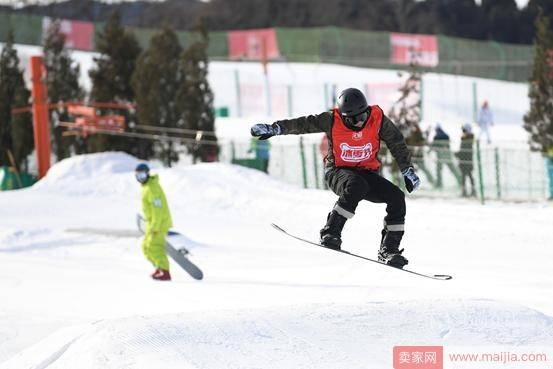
{"points": [[75, 299]]}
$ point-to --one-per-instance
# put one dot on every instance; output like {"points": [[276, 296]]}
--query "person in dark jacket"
{"points": [[440, 144], [465, 156], [355, 131]]}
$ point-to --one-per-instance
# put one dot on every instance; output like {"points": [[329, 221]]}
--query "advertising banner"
{"points": [[79, 35], [258, 44], [421, 49]]}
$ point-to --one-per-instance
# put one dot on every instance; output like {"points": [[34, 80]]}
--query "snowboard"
{"points": [[441, 277], [179, 256]]}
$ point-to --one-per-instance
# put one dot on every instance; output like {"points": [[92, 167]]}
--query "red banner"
{"points": [[257, 44], [78, 35], [408, 48]]}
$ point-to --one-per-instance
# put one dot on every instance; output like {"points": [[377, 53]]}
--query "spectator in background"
{"points": [[417, 142], [262, 149], [465, 156], [440, 144], [485, 121]]}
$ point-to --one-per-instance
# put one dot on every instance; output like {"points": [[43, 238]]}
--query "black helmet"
{"points": [[142, 168], [352, 102]]}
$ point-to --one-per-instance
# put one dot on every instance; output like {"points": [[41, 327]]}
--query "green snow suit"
{"points": [[158, 221]]}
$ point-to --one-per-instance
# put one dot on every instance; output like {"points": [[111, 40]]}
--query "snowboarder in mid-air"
{"points": [[354, 130], [158, 221]]}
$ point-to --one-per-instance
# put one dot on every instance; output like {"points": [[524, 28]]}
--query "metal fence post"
{"points": [[497, 173], [480, 176], [303, 164], [422, 99], [326, 96], [474, 102], [238, 93], [290, 101], [530, 180], [316, 166]]}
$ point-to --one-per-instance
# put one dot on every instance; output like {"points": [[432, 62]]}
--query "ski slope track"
{"points": [[75, 291]]}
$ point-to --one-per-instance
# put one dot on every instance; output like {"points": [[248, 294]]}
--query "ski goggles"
{"points": [[141, 176], [356, 120]]}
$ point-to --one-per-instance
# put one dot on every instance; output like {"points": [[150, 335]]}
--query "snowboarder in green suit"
{"points": [[158, 222]]}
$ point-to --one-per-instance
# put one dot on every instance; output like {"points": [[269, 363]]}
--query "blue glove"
{"points": [[412, 180], [264, 131]]}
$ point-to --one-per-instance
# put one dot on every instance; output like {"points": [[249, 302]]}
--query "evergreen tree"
{"points": [[406, 111], [156, 81], [111, 82], [196, 98], [16, 131], [406, 114], [62, 80], [539, 120]]}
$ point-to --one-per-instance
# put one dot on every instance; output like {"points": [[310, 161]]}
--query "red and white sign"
{"points": [[78, 35], [257, 44], [408, 48]]}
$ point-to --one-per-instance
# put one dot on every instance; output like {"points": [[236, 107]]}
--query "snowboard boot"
{"points": [[157, 271], [162, 275], [331, 234], [389, 252]]}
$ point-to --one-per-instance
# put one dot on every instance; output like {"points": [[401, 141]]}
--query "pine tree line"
{"points": [[62, 82], [539, 120], [168, 85], [16, 131]]}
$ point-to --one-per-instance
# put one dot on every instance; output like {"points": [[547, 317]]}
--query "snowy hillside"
{"points": [[71, 298]]}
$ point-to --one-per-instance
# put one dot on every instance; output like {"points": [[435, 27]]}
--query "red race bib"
{"points": [[357, 148]]}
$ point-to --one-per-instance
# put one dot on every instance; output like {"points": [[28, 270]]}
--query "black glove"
{"points": [[412, 181], [264, 131]]}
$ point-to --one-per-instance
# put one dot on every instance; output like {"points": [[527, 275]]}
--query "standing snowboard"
{"points": [[179, 256]]}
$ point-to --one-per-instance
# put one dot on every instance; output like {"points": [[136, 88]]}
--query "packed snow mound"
{"points": [[294, 338], [219, 188], [212, 187], [89, 166], [112, 166]]}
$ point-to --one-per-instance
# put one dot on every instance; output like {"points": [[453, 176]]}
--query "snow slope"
{"points": [[75, 299]]}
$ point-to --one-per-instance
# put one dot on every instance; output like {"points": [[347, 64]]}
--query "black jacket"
{"points": [[323, 122]]}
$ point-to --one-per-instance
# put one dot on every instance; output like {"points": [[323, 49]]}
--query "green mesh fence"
{"points": [[218, 48], [334, 45], [498, 174], [26, 29], [143, 35], [485, 59]]}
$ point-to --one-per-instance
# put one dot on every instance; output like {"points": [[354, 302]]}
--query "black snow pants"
{"points": [[353, 185]]}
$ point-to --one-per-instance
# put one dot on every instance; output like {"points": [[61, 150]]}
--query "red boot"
{"points": [[162, 275], [155, 273]]}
